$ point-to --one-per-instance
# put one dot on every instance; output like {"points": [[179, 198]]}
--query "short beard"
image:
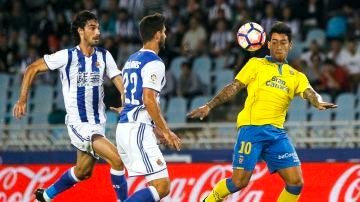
{"points": [[94, 44], [161, 44]]}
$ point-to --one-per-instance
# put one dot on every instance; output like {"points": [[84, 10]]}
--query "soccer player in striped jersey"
{"points": [[82, 69], [144, 77], [271, 85]]}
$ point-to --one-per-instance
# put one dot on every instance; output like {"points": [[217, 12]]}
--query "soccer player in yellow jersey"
{"points": [[271, 85]]}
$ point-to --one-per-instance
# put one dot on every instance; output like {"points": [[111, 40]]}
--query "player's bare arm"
{"points": [[316, 100], [118, 82], [30, 73], [223, 96], [153, 108]]}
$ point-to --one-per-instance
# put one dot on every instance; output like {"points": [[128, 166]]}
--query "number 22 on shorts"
{"points": [[245, 147]]}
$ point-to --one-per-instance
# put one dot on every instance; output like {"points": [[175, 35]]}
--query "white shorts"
{"points": [[81, 135], [137, 146]]}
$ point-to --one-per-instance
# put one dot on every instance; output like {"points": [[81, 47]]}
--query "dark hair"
{"points": [[79, 22], [151, 24], [280, 28]]}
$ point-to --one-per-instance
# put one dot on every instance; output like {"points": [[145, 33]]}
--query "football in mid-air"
{"points": [[251, 36]]}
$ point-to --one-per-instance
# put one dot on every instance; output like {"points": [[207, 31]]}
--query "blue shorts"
{"points": [[264, 142]]}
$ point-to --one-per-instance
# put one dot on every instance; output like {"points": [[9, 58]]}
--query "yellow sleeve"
{"points": [[247, 73], [302, 85]]}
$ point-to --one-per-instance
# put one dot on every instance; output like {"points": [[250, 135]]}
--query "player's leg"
{"points": [[107, 151], [294, 183], [159, 187], [79, 136], [240, 179], [281, 157], [141, 155], [82, 171], [246, 153]]}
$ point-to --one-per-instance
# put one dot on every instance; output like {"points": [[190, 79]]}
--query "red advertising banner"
{"points": [[331, 182]]}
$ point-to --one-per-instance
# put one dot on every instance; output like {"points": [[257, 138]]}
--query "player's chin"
{"points": [[280, 57], [95, 42]]}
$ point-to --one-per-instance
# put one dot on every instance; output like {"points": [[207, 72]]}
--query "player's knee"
{"points": [[240, 182], [296, 181], [163, 189]]}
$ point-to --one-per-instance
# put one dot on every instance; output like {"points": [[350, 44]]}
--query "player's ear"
{"points": [[268, 44], [80, 31], [158, 35], [290, 45]]}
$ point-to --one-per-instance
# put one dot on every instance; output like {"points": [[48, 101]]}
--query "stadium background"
{"points": [[201, 56]]}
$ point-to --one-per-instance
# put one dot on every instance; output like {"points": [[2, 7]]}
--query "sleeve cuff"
{"points": [[120, 74], [46, 64], [158, 91]]}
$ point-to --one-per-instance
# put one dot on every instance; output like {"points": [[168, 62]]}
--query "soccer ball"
{"points": [[251, 36]]}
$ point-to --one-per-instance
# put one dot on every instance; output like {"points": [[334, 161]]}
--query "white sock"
{"points": [[117, 172], [72, 173], [154, 193], [46, 197]]}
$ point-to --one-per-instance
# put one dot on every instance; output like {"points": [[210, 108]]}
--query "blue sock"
{"points": [[119, 183], [231, 186], [148, 194], [293, 189], [66, 181]]}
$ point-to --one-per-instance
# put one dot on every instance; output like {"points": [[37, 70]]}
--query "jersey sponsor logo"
{"points": [[275, 82], [289, 155], [88, 79]]}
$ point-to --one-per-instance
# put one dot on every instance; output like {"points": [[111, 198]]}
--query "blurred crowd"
{"points": [[331, 59]]}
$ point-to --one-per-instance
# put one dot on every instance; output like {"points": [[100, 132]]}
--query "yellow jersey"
{"points": [[270, 86]]}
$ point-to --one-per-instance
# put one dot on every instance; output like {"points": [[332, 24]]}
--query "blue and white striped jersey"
{"points": [[82, 82], [143, 69]]}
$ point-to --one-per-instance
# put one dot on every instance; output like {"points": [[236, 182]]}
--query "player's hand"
{"points": [[116, 109], [200, 112], [159, 136], [19, 109], [326, 105], [172, 140]]}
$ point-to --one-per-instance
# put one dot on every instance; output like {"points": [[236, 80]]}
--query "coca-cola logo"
{"points": [[347, 187], [10, 177]]}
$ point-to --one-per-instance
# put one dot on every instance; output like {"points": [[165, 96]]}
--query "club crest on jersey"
{"points": [[159, 162], [78, 65], [241, 159], [291, 72]]}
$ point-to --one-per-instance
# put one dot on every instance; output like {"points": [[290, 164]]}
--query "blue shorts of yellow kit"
{"points": [[264, 142]]}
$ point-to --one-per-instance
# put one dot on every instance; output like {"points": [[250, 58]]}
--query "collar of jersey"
{"points": [[271, 59], [78, 48], [143, 49]]}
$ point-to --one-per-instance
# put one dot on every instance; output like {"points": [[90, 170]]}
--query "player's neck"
{"points": [[277, 60], [86, 49], [152, 46]]}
